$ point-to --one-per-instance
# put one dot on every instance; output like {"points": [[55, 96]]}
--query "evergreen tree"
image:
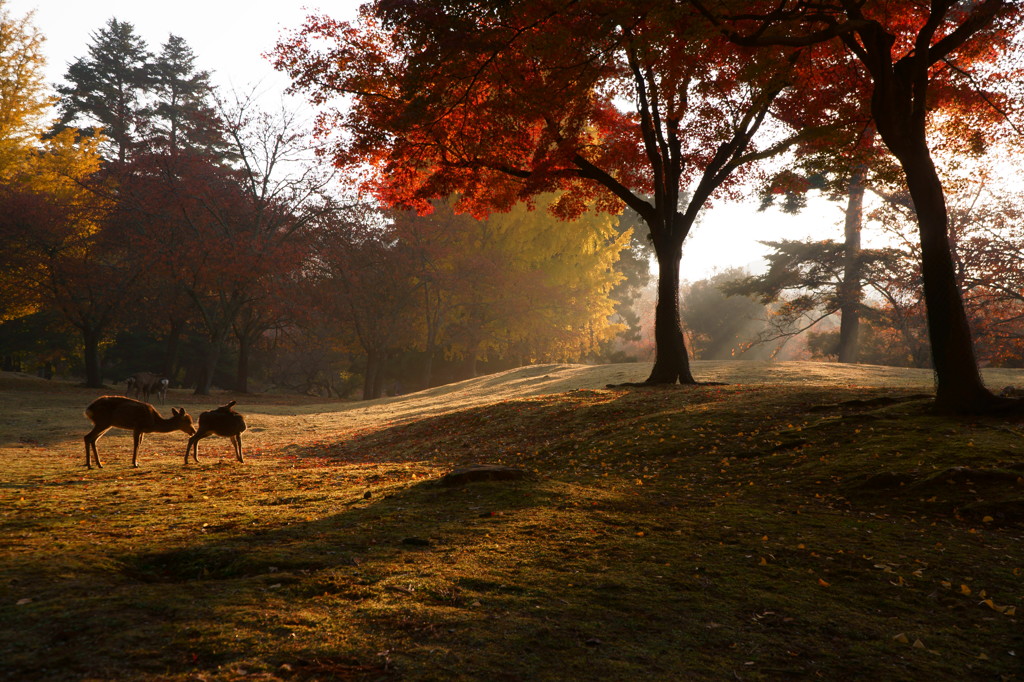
{"points": [[810, 281], [182, 115], [105, 90]]}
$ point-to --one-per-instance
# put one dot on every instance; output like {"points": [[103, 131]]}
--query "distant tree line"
{"points": [[150, 223], [876, 293]]}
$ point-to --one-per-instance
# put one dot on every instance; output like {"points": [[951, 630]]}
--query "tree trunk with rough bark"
{"points": [[672, 361], [93, 371], [959, 387], [899, 107], [850, 290], [210, 358], [373, 368], [173, 349]]}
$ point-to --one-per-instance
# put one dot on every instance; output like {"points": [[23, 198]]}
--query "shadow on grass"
{"points": [[533, 580], [205, 605], [371, 525]]}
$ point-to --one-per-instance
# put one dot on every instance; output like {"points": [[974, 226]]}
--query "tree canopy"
{"points": [[915, 55], [610, 104], [491, 145]]}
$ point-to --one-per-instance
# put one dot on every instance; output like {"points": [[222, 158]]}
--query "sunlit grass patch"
{"points": [[752, 531]]}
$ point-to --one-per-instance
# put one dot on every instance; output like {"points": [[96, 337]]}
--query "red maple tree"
{"points": [[499, 102]]}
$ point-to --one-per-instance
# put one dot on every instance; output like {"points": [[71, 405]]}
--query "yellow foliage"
{"points": [[51, 169], [560, 274], [25, 100]]}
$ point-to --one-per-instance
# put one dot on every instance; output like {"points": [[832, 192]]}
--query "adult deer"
{"points": [[125, 413], [144, 384], [159, 389], [223, 421]]}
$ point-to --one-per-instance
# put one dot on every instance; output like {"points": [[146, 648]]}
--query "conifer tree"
{"points": [[182, 113], [105, 90]]}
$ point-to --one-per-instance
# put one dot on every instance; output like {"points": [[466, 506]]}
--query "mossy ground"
{"points": [[755, 532]]}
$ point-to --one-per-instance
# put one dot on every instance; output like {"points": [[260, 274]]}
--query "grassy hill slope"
{"points": [[804, 521]]}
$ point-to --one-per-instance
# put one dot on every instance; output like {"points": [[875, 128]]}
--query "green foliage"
{"points": [[181, 114], [137, 99], [104, 90], [518, 287], [37, 342], [634, 265], [565, 312], [806, 279]]}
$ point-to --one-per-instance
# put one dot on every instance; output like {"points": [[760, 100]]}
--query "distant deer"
{"points": [[144, 384], [138, 417], [224, 422], [159, 389]]}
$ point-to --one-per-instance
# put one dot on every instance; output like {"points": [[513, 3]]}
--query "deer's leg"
{"points": [[137, 437], [193, 445], [90, 445], [236, 440]]}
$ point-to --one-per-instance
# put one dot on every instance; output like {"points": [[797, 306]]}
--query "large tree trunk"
{"points": [[959, 387], [432, 323], [672, 362], [850, 290], [211, 356], [469, 365], [899, 109], [242, 370], [93, 371], [373, 367], [427, 373], [173, 349]]}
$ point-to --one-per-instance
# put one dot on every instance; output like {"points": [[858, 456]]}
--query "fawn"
{"points": [[224, 422], [139, 417]]}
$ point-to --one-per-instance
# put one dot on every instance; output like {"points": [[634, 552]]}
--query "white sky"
{"points": [[229, 37]]}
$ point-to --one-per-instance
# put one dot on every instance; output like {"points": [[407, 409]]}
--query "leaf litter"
{"points": [[752, 530]]}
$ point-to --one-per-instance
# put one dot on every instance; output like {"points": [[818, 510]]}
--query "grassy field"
{"points": [[803, 521]]}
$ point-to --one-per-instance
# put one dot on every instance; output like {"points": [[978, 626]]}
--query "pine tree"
{"points": [[105, 91], [182, 115]]}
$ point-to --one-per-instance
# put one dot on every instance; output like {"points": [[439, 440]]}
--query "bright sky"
{"points": [[230, 36]]}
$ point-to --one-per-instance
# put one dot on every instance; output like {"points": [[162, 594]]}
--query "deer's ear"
{"points": [[177, 411]]}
